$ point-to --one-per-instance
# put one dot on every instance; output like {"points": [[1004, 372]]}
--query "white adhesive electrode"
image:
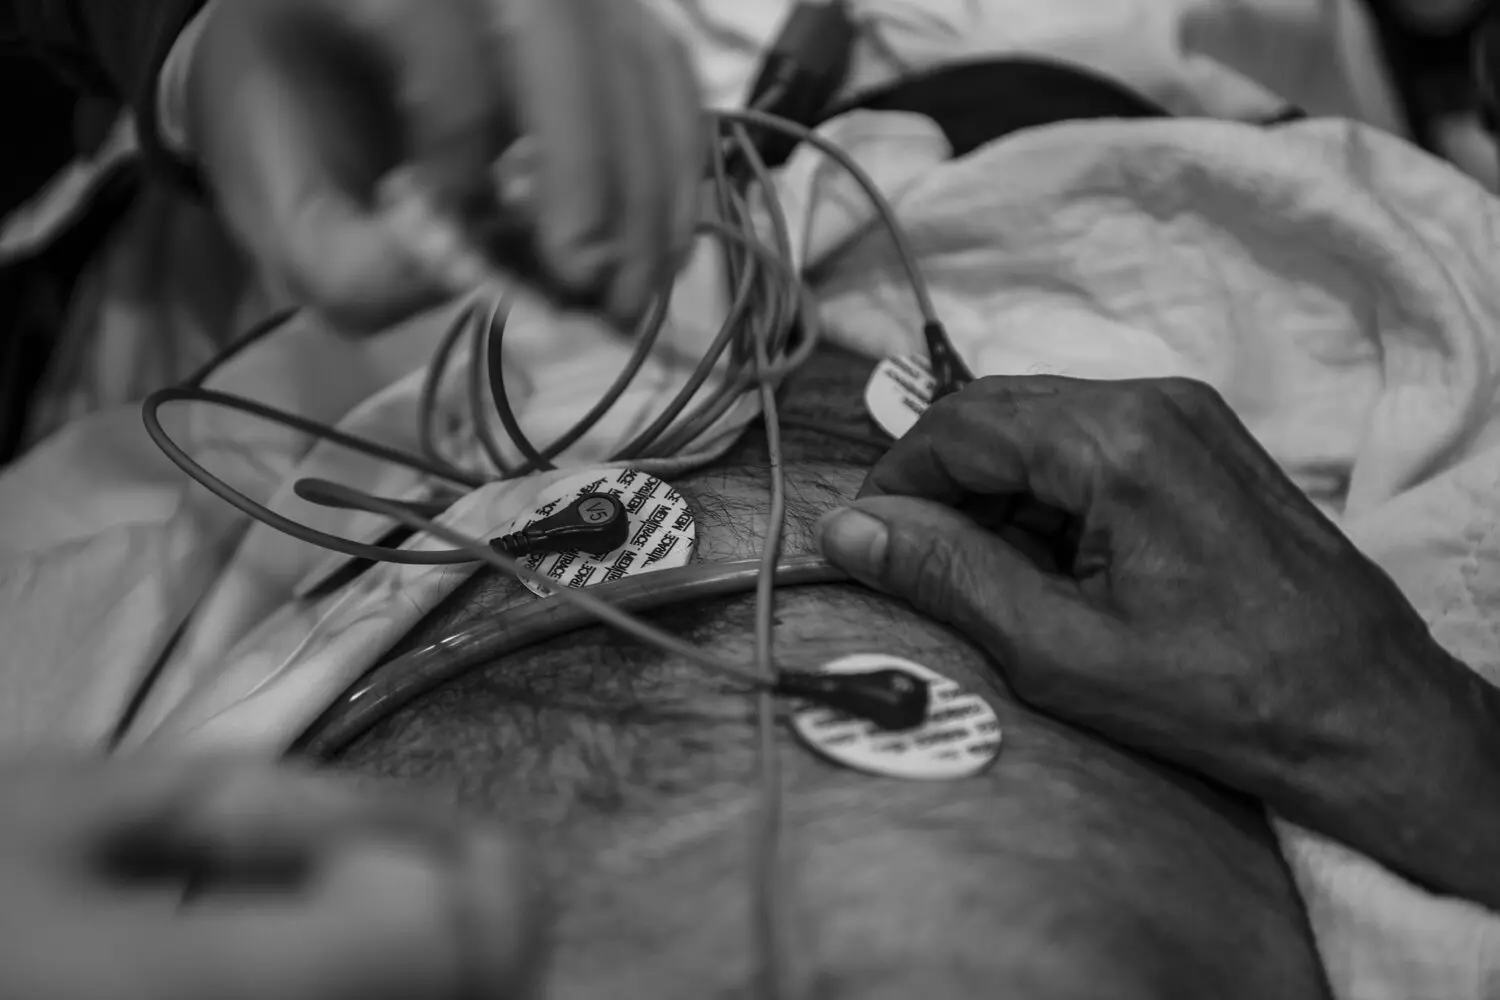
{"points": [[960, 738], [899, 392], [663, 531]]}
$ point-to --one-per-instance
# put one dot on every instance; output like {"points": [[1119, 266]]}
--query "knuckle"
{"points": [[958, 420], [1129, 453], [940, 415], [1129, 428], [978, 400], [1192, 396], [988, 386], [1132, 409]]}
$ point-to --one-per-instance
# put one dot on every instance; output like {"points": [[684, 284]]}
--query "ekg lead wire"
{"points": [[270, 518], [948, 368], [674, 438], [401, 680], [258, 332], [484, 332], [647, 334], [330, 494], [774, 973], [432, 380], [763, 340], [431, 464], [774, 983]]}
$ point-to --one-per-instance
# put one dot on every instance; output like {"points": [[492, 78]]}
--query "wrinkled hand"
{"points": [[310, 890], [1135, 563], [297, 108]]}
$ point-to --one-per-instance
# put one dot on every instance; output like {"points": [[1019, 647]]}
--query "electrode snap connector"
{"points": [[949, 373], [595, 523], [894, 700]]}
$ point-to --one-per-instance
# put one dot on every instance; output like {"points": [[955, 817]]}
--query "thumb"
{"points": [[948, 567]]}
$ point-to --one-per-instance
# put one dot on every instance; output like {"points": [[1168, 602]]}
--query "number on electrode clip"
{"points": [[596, 510]]}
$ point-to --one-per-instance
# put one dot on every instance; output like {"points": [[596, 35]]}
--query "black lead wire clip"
{"points": [[594, 523], [949, 373], [894, 700]]}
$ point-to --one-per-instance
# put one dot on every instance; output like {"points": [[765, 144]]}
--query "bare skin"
{"points": [[1071, 869]]}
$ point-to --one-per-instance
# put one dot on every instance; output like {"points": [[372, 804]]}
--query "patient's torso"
{"points": [[1067, 870]]}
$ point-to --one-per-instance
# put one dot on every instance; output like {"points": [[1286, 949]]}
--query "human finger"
{"points": [[572, 113], [73, 805], [637, 220], [1209, 417], [946, 566], [254, 818], [449, 92], [998, 436], [686, 144], [349, 891], [294, 167], [153, 816], [660, 153], [346, 263]]}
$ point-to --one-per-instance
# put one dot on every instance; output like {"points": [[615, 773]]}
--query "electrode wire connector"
{"points": [[595, 523], [893, 700]]}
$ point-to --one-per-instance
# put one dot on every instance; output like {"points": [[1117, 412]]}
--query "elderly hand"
{"points": [[308, 889], [297, 108], [1198, 607]]}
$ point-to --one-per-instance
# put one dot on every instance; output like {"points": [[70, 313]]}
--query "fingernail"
{"points": [[854, 541]]}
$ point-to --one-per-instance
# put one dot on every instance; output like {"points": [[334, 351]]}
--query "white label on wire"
{"points": [[663, 532], [960, 738], [899, 391]]}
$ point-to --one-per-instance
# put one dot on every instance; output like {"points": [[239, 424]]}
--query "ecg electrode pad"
{"points": [[663, 532], [899, 391], [959, 739]]}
